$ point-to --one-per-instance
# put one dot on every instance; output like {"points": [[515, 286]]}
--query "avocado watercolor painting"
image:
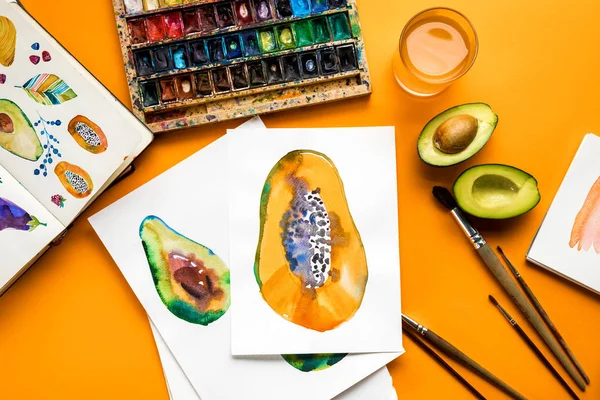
{"points": [[193, 283]]}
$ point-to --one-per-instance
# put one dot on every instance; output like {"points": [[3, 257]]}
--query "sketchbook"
{"points": [[568, 242], [64, 138]]}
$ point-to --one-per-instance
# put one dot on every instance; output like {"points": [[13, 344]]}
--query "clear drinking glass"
{"points": [[437, 46]]}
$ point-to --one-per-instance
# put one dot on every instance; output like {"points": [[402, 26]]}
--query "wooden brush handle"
{"points": [[552, 327], [494, 264], [465, 360]]}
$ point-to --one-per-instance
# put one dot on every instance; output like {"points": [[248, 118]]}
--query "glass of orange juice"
{"points": [[437, 46]]}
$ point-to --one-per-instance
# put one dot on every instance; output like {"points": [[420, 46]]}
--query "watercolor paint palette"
{"points": [[190, 63]]}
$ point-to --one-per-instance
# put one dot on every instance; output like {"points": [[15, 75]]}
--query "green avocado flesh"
{"points": [[16, 133], [191, 280], [487, 122], [496, 191]]}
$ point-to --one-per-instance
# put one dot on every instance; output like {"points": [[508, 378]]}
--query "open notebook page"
{"points": [[62, 134], [26, 229]]}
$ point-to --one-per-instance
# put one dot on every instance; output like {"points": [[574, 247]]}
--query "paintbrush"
{"points": [[419, 342], [461, 357], [495, 266], [545, 317], [533, 347]]}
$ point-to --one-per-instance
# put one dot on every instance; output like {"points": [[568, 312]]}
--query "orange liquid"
{"points": [[434, 51]]}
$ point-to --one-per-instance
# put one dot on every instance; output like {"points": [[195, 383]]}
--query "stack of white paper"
{"points": [[269, 242]]}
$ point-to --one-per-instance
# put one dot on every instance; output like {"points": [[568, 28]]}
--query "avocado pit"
{"points": [[6, 123], [456, 134]]}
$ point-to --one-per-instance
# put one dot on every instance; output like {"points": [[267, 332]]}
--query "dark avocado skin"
{"points": [[423, 132]]}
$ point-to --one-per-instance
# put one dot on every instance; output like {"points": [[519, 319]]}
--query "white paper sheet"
{"points": [[377, 386], [192, 199], [122, 130], [553, 247], [365, 159], [18, 246]]}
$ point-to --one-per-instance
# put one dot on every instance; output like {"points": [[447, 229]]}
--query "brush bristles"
{"points": [[444, 196], [500, 250], [493, 300]]}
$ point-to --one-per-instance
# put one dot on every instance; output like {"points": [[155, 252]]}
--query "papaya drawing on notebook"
{"points": [[586, 228]]}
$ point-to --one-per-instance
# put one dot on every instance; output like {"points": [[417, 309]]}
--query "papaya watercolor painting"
{"points": [[191, 280], [14, 217], [88, 135], [312, 362], [586, 228], [310, 264]]}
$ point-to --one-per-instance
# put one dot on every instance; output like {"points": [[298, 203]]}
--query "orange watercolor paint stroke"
{"points": [[586, 228]]}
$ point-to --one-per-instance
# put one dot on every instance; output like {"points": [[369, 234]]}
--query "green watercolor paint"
{"points": [[285, 37], [303, 33], [340, 27], [320, 30], [267, 41]]}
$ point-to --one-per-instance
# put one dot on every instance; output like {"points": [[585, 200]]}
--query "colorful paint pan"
{"points": [[168, 90], [149, 94], [155, 28], [243, 12], [347, 58], [262, 10], [137, 30], [338, 3], [309, 65], [215, 49], [180, 56], [285, 37], [291, 69], [161, 58], [185, 87], [208, 20], [274, 73], [319, 6], [300, 8], [233, 46], [320, 30], [340, 26], [221, 80], [191, 22], [174, 25], [170, 3], [143, 62], [328, 61], [284, 8], [225, 17], [256, 74], [203, 85], [239, 76], [267, 40], [250, 41], [303, 33], [198, 53]]}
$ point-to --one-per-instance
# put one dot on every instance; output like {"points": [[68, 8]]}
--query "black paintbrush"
{"points": [[415, 338], [538, 306], [495, 265], [533, 347]]}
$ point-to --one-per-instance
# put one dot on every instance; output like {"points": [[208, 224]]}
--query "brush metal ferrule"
{"points": [[473, 234], [415, 325]]}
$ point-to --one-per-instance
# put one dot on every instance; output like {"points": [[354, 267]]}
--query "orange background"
{"points": [[72, 329]]}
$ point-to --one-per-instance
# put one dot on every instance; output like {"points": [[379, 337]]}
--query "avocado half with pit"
{"points": [[496, 191], [457, 134]]}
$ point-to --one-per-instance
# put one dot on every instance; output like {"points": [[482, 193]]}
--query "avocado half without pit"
{"points": [[496, 191], [456, 134]]}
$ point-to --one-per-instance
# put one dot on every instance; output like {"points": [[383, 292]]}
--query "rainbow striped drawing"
{"points": [[48, 90]]}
